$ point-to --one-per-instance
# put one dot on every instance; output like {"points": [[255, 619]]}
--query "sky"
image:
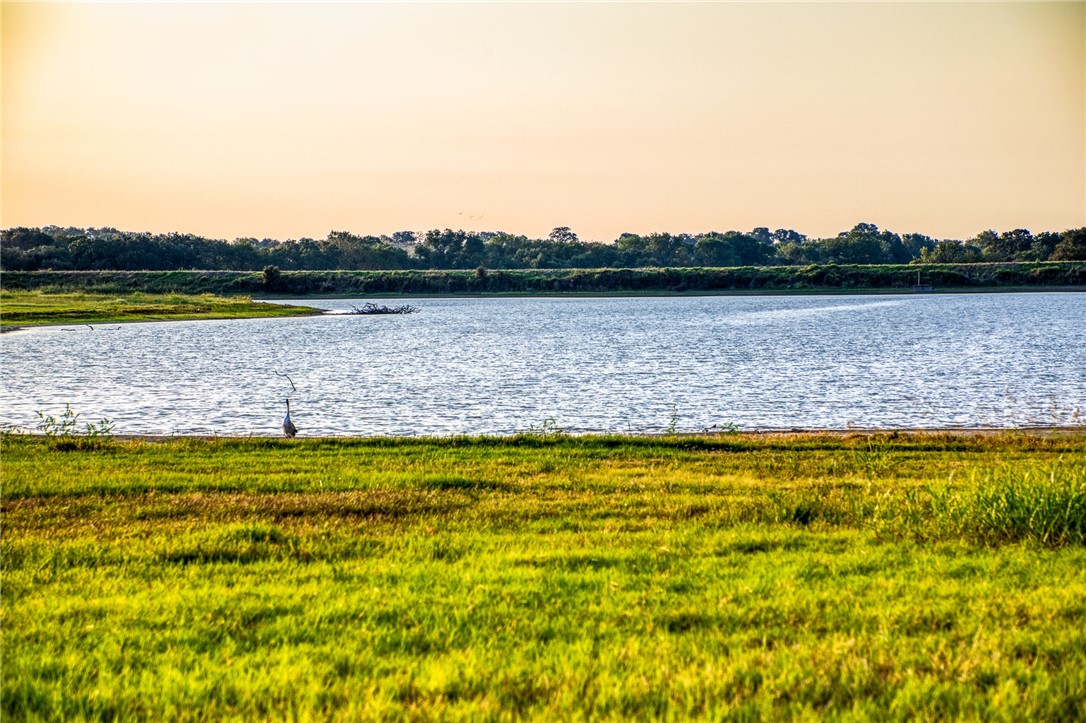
{"points": [[284, 120]]}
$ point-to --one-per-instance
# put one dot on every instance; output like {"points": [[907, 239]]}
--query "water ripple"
{"points": [[501, 365]]}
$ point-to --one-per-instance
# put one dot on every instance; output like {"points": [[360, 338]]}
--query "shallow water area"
{"points": [[499, 365]]}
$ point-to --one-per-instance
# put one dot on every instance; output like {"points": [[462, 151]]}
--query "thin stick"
{"points": [[292, 387]]}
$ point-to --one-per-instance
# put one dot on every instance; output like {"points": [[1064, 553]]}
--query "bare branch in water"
{"points": [[292, 387], [371, 308]]}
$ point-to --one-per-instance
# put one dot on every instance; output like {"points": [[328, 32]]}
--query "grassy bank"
{"points": [[891, 577], [1041, 275], [34, 308]]}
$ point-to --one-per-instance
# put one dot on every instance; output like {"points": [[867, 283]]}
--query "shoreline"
{"points": [[653, 294], [4, 329], [22, 310], [677, 438]]}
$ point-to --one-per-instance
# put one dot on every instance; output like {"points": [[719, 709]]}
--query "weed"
{"points": [[7, 429], [673, 421], [873, 458], [65, 432], [1012, 505], [549, 428]]}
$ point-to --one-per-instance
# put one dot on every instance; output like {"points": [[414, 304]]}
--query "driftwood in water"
{"points": [[371, 308]]}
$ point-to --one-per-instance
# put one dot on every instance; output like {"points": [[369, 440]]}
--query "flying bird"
{"points": [[288, 426]]}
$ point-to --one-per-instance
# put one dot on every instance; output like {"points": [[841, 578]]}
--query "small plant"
{"points": [[873, 458], [673, 421], [67, 434], [549, 428], [11, 430]]}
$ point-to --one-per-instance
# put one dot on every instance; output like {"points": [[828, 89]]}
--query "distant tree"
{"points": [[242, 255], [787, 235], [986, 241], [949, 252], [633, 250], [762, 234], [30, 249], [864, 244], [366, 252], [305, 254], [732, 249], [562, 234], [501, 250], [790, 252], [915, 243], [594, 256], [450, 249], [714, 249], [105, 248], [272, 278], [25, 238], [1008, 246], [1072, 246], [655, 249], [861, 229], [1044, 244]]}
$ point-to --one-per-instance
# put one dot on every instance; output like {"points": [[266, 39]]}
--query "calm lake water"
{"points": [[502, 365]]}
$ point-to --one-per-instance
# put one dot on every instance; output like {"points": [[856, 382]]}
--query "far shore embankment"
{"points": [[821, 279]]}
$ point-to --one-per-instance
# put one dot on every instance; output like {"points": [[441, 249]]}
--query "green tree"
{"points": [[367, 252], [1008, 246], [915, 243], [1072, 246], [562, 234], [949, 252], [864, 244], [732, 249], [787, 235], [450, 249], [272, 278]]}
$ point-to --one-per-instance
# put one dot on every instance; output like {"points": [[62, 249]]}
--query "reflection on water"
{"points": [[500, 365], [771, 315]]}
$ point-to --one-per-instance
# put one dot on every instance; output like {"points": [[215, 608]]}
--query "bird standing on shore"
{"points": [[288, 426]]}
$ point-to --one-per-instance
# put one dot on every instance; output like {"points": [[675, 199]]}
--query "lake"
{"points": [[601, 364]]}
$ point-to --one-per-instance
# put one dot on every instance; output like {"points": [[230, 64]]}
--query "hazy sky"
{"points": [[289, 120]]}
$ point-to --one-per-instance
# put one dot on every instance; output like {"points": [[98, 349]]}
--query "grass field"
{"points": [[548, 577], [34, 308]]}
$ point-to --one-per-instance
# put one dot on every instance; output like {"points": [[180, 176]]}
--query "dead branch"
{"points": [[292, 387], [371, 308]]}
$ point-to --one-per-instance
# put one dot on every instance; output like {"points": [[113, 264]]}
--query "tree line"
{"points": [[78, 249]]}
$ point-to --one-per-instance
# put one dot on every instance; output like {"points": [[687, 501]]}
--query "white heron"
{"points": [[288, 426]]}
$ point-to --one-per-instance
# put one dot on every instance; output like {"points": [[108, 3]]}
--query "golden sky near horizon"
{"points": [[287, 120]]}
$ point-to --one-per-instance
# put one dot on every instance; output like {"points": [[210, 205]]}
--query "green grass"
{"points": [[35, 308], [811, 576]]}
